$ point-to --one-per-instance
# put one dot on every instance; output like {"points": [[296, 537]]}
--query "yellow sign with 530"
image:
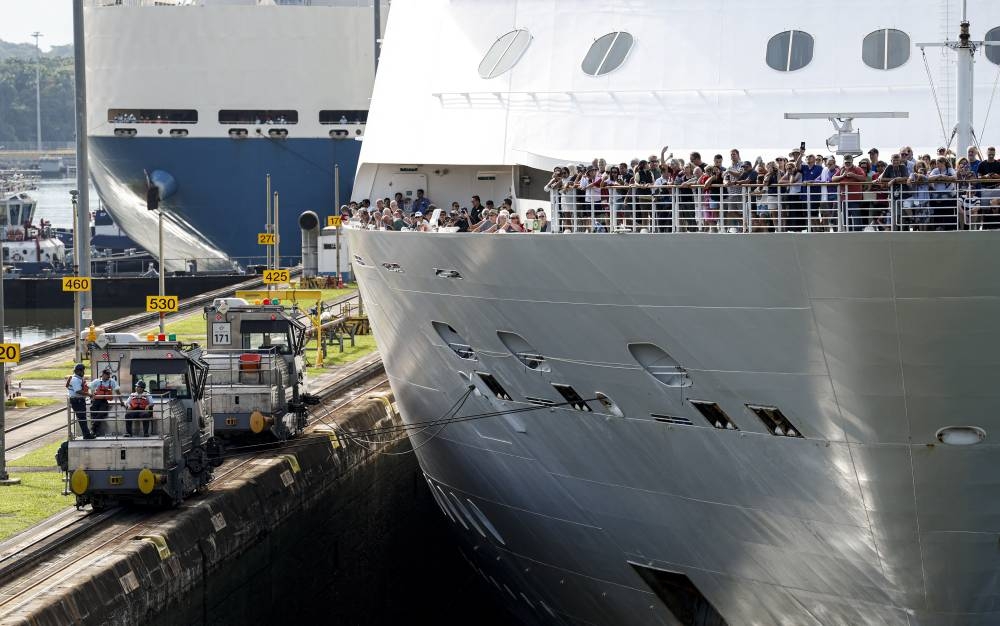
{"points": [[266, 239], [272, 277], [75, 283], [162, 304], [10, 353]]}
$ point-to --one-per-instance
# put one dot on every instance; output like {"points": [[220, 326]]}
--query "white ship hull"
{"points": [[869, 343]]}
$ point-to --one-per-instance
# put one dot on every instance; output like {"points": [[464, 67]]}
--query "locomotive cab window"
{"points": [[163, 377], [267, 335]]}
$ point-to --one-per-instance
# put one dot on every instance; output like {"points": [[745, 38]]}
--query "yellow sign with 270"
{"points": [[266, 239]]}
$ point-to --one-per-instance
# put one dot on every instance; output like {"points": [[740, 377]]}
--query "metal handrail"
{"points": [[780, 207], [160, 417]]}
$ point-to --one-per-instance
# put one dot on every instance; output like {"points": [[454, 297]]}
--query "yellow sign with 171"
{"points": [[162, 304], [10, 353], [333, 221], [272, 277], [75, 283]]}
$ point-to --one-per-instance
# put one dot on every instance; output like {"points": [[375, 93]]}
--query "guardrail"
{"points": [[757, 207]]}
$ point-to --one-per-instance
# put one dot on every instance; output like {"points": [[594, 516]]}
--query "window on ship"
{"points": [[152, 116], [258, 116], [343, 117]]}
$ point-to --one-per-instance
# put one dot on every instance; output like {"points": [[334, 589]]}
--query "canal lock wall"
{"points": [[323, 531]]}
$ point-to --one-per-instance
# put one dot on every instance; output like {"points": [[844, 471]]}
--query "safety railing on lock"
{"points": [[781, 207], [244, 367], [113, 418]]}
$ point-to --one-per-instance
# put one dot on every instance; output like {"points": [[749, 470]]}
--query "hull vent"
{"points": [[394, 267], [683, 599], [774, 421], [671, 419], [660, 365], [572, 397], [494, 385], [539, 401], [714, 415]]}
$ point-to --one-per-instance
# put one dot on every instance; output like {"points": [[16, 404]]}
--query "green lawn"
{"points": [[42, 457], [363, 344], [46, 373], [38, 496]]}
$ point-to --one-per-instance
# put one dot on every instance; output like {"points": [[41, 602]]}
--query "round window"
{"points": [[607, 53], [885, 49], [789, 51], [504, 53]]}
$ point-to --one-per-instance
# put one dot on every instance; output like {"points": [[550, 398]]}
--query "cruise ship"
{"points": [[206, 98], [660, 426]]}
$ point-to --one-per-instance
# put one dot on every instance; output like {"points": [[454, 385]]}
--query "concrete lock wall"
{"points": [[351, 536]]}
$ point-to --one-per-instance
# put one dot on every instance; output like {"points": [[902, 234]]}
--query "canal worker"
{"points": [[104, 392], [77, 390], [139, 406]]}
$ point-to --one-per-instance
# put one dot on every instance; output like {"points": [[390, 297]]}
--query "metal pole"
{"points": [[267, 223], [339, 276], [965, 50], [82, 234], [377, 22], [277, 234], [77, 346], [38, 92], [336, 188], [5, 479], [163, 275]]}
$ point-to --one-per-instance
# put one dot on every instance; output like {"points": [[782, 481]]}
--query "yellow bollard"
{"points": [[20, 402], [319, 333]]}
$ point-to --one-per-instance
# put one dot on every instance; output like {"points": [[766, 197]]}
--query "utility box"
{"points": [[328, 253]]}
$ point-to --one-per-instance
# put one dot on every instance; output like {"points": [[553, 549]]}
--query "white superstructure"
{"points": [[679, 427], [695, 78]]}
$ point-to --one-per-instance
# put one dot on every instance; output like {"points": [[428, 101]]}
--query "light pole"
{"points": [[5, 479], [162, 272], [38, 92]]}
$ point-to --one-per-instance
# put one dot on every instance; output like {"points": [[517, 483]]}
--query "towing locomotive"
{"points": [[156, 452], [256, 369]]}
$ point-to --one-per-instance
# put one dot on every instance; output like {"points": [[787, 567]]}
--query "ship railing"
{"points": [[803, 207], [113, 423]]}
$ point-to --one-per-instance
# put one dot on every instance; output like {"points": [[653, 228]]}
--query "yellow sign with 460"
{"points": [[75, 283]]}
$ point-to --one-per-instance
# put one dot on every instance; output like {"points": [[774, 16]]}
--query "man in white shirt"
{"points": [[943, 199]]}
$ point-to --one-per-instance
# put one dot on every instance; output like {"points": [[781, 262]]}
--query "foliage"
{"points": [[17, 98], [42, 457]]}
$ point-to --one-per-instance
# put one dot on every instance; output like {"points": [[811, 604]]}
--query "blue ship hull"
{"points": [[221, 189]]}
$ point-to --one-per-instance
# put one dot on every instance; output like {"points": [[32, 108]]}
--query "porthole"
{"points": [[660, 365], [609, 405], [504, 53], [465, 512], [993, 52], [789, 51], [485, 522], [523, 351], [454, 341], [607, 53], [961, 435], [451, 508], [885, 49]]}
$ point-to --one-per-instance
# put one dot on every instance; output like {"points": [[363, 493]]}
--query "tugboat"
{"points": [[30, 249]]}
